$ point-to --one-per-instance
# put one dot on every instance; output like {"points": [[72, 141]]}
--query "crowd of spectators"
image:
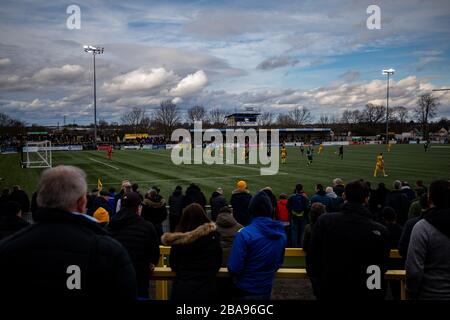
{"points": [[114, 237]]}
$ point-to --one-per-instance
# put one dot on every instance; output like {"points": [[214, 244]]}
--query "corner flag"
{"points": [[99, 184]]}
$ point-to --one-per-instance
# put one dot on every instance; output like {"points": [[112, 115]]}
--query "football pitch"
{"points": [[154, 167]]}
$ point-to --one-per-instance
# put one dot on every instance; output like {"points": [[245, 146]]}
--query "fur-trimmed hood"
{"points": [[184, 238]]}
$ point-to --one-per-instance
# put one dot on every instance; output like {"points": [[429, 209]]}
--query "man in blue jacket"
{"points": [[257, 252]]}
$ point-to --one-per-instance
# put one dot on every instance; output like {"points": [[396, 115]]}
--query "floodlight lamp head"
{"points": [[388, 71], [94, 50]]}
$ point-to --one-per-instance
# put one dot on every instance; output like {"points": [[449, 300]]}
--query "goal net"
{"points": [[38, 154]]}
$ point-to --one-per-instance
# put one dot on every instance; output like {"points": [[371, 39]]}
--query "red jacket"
{"points": [[282, 211]]}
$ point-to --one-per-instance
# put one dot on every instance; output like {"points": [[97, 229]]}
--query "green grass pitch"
{"points": [[154, 167]]}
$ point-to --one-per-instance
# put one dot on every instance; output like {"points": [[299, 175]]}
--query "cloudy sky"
{"points": [[273, 55]]}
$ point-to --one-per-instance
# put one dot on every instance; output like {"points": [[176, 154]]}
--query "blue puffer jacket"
{"points": [[257, 253]]}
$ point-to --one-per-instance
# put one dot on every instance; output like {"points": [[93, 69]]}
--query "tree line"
{"points": [[369, 120]]}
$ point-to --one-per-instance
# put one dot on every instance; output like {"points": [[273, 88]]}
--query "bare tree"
{"points": [[426, 109], [196, 113], [10, 125], [401, 114], [373, 113], [346, 116], [266, 119], [167, 116], [134, 119], [324, 120], [284, 120], [355, 116], [217, 117], [300, 116]]}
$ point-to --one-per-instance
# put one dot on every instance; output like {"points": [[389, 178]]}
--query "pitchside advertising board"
{"points": [[54, 148]]}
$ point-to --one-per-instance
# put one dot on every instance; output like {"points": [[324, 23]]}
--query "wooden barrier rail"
{"points": [[163, 273]]}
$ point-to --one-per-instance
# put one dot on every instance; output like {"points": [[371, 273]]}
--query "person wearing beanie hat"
{"points": [[241, 185], [102, 216], [257, 252], [240, 199]]}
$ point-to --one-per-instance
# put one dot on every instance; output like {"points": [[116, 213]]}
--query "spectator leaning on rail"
{"points": [[409, 225], [195, 256], [194, 194], [227, 227], [36, 260], [428, 258], [154, 210], [321, 196], [175, 207], [344, 245], [217, 201], [138, 237], [397, 200], [240, 199], [257, 252], [298, 206]]}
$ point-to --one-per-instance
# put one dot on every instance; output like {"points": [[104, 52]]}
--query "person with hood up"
{"points": [[194, 195], [217, 201], [195, 256], [175, 207], [154, 210], [257, 252], [428, 259], [240, 199], [227, 227]]}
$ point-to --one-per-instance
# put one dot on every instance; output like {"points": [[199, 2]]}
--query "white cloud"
{"points": [[140, 79], [4, 62], [177, 100], [190, 84], [67, 73]]}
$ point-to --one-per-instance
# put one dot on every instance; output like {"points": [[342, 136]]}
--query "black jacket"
{"points": [[343, 246], [154, 210], [240, 199], [216, 202], [196, 257], [21, 198], [10, 225], [397, 200], [194, 195], [139, 238], [35, 261], [176, 203], [410, 194]]}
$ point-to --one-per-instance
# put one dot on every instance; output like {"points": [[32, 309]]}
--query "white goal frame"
{"points": [[38, 154]]}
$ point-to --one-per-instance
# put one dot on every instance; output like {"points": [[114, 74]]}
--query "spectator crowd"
{"points": [[114, 238]]}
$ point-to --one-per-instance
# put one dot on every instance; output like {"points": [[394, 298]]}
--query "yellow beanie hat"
{"points": [[101, 215], [241, 185]]}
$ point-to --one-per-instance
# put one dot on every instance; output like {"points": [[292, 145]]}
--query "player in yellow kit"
{"points": [[379, 165], [320, 149], [283, 154], [389, 146]]}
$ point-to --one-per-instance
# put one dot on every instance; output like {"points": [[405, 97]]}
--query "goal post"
{"points": [[38, 154]]}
